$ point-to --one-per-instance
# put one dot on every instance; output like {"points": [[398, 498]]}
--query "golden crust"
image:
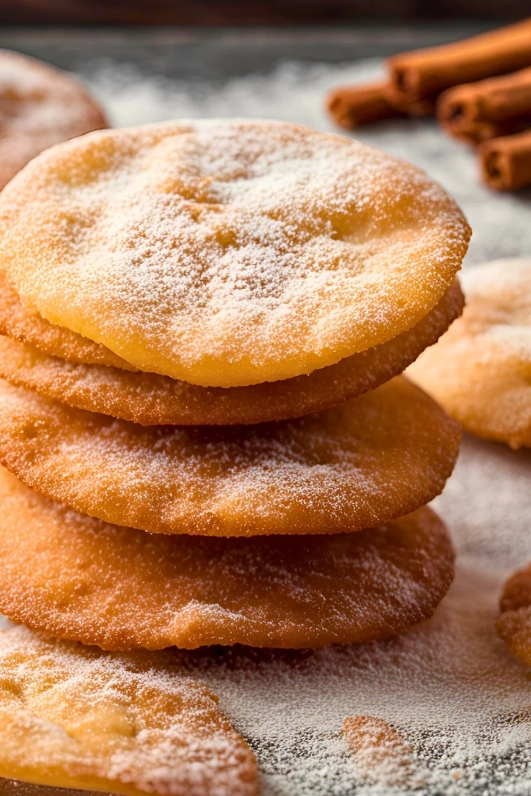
{"points": [[480, 370], [27, 326], [514, 624], [75, 577], [150, 399], [379, 456], [77, 717], [41, 106], [229, 252]]}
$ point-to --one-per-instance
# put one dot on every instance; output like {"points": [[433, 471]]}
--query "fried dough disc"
{"points": [[514, 624], [229, 252], [77, 717], [480, 370], [75, 577], [25, 325], [39, 106], [379, 456], [150, 399]]}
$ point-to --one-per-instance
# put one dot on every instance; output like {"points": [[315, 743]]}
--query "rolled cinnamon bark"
{"points": [[424, 107], [476, 112], [423, 74], [506, 162], [353, 105]]}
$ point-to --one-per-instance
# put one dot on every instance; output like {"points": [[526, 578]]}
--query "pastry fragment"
{"points": [[72, 576], [151, 399], [480, 370], [229, 252], [377, 457], [514, 624], [39, 106], [77, 717], [382, 754]]}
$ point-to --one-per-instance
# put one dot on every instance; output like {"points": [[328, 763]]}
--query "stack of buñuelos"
{"points": [[206, 436]]}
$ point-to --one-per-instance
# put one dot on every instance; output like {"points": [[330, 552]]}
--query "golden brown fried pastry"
{"points": [[229, 252], [376, 457], [514, 624], [75, 577], [150, 399], [480, 370], [27, 326], [77, 717], [39, 106]]}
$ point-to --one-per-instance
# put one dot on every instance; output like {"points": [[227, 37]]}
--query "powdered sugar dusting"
{"points": [[480, 371], [500, 297], [140, 721], [229, 252], [379, 456], [39, 107], [450, 687], [295, 92]]}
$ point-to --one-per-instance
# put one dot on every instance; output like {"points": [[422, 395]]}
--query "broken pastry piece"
{"points": [[39, 106], [480, 370], [514, 624], [77, 717], [383, 756]]}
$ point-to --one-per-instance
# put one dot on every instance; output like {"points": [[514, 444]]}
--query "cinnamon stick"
{"points": [[506, 162], [353, 105], [423, 107], [479, 111], [423, 74]]}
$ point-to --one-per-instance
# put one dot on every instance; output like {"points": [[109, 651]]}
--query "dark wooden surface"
{"points": [[217, 53], [237, 12]]}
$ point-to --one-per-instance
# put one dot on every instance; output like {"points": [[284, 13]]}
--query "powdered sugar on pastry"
{"points": [[27, 326], [382, 754], [73, 716], [379, 456], [39, 107], [151, 399], [480, 370], [75, 577], [229, 252]]}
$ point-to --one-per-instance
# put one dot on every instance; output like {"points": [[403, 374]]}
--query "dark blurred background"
{"points": [[247, 12]]}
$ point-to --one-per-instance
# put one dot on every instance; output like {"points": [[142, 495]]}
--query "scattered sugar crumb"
{"points": [[382, 754]]}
